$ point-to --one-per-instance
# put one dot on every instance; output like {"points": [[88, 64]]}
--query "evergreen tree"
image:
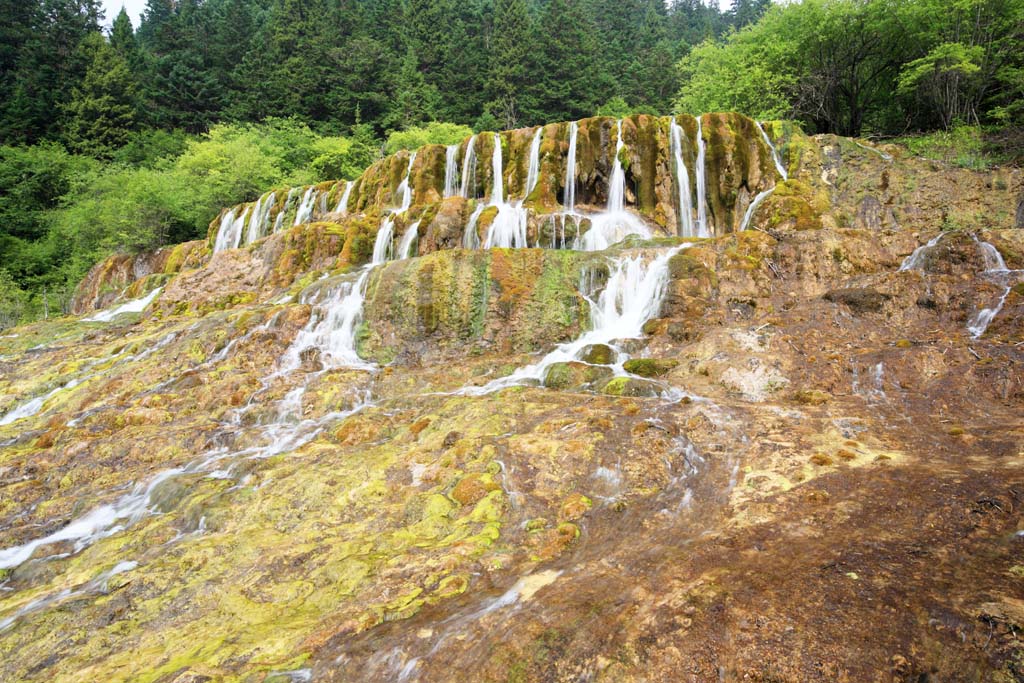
{"points": [[101, 113], [744, 12], [569, 78], [508, 76], [653, 79], [415, 100], [49, 66]]}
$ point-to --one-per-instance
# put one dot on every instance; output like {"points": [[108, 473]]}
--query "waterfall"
{"points": [[229, 235], [470, 240], [133, 306], [279, 222], [570, 169], [408, 239], [469, 170], [305, 211], [405, 188], [761, 196], [615, 224], [775, 153], [343, 202], [994, 262], [260, 220], [497, 171], [980, 322], [533, 170], [632, 296], [382, 245], [508, 229], [702, 204], [682, 180], [995, 268], [916, 260], [617, 184], [451, 171]]}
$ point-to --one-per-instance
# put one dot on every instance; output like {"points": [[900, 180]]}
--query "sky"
{"points": [[113, 7]]}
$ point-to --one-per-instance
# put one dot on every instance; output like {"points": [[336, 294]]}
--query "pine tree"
{"points": [[415, 100], [101, 113], [508, 76], [122, 39], [570, 83], [653, 79], [49, 66]]}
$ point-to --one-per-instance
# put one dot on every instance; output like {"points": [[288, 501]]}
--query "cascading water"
{"points": [[229, 235], [470, 238], [533, 169], [749, 214], [917, 259], [133, 306], [682, 180], [703, 230], [305, 211], [33, 406], [632, 296], [279, 222], [615, 223], [995, 269], [343, 203], [260, 219], [408, 240], [404, 190], [508, 229], [570, 170], [469, 170], [775, 153], [451, 171], [333, 325]]}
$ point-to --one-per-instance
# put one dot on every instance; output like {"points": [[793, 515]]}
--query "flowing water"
{"points": [[616, 223], [632, 296], [533, 169], [570, 170], [917, 259], [279, 221], [259, 220], [703, 230], [775, 153], [685, 206], [508, 229], [469, 170], [305, 210], [133, 306], [343, 202], [229, 234], [408, 240], [451, 171], [749, 214]]}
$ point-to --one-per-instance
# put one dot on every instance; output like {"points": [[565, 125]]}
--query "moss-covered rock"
{"points": [[650, 367], [575, 376]]}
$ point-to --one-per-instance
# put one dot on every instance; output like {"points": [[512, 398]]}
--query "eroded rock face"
{"points": [[804, 426]]}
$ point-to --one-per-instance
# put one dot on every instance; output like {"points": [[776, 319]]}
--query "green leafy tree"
{"points": [[434, 133], [101, 113]]}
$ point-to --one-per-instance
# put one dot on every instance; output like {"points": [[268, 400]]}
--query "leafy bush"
{"points": [[434, 133], [962, 146]]}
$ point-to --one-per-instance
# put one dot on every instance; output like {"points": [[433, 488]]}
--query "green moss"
{"points": [[650, 367]]}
